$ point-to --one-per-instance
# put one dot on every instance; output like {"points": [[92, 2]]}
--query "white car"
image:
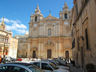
{"points": [[48, 67]]}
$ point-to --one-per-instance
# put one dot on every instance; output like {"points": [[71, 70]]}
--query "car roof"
{"points": [[21, 63], [18, 65], [41, 61], [25, 64], [11, 64]]}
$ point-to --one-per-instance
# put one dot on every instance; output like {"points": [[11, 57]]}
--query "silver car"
{"points": [[17, 68]]}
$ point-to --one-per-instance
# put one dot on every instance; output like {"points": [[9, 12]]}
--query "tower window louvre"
{"points": [[35, 18], [66, 16]]}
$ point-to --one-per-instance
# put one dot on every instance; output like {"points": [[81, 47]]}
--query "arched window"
{"points": [[66, 16], [49, 31], [35, 18]]}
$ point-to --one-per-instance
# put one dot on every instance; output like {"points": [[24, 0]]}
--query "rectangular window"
{"points": [[95, 1], [86, 1], [76, 6], [86, 36], [78, 44], [73, 44], [49, 32]]}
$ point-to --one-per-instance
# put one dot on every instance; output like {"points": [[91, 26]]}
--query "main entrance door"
{"points": [[67, 54], [49, 53], [34, 54]]}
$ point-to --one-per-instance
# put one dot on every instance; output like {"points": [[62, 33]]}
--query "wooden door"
{"points": [[49, 53], [34, 54], [67, 54]]}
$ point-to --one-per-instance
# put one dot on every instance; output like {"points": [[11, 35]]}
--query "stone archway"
{"points": [[50, 49]]}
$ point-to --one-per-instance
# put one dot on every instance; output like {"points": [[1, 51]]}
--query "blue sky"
{"points": [[17, 12]]}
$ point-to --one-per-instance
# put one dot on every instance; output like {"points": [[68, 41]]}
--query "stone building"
{"points": [[49, 37], [8, 44], [22, 45], [84, 32]]}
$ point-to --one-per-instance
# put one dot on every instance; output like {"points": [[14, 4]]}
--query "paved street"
{"points": [[75, 69]]}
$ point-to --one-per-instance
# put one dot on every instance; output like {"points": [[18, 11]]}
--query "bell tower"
{"points": [[65, 18], [2, 25], [64, 14], [34, 22], [37, 16]]}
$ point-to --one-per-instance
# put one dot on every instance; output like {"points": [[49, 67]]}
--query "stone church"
{"points": [[49, 37]]}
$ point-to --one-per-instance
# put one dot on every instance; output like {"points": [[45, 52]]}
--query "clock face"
{"points": [[66, 23], [35, 25]]}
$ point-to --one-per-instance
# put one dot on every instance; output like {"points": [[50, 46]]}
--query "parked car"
{"points": [[61, 62], [59, 66], [48, 67], [14, 68], [34, 67], [17, 68]]}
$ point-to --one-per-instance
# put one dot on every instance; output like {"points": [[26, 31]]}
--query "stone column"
{"points": [[57, 49], [39, 51], [28, 52], [60, 49], [42, 50]]}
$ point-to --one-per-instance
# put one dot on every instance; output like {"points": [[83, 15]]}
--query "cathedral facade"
{"points": [[49, 37]]}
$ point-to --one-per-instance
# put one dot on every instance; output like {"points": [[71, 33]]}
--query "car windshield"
{"points": [[53, 65]]}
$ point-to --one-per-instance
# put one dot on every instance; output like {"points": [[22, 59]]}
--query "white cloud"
{"points": [[22, 31], [15, 25]]}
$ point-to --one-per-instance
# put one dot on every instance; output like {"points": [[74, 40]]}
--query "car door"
{"points": [[46, 67], [12, 69]]}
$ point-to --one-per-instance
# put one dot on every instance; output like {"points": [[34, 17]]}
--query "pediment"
{"points": [[50, 18]]}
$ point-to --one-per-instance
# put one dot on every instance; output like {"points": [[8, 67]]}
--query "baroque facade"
{"points": [[49, 37], [84, 32], [8, 44]]}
